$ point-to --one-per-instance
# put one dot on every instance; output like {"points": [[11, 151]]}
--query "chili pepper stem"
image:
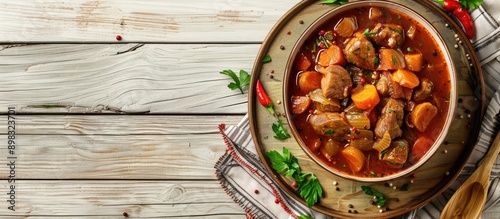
{"points": [[270, 108]]}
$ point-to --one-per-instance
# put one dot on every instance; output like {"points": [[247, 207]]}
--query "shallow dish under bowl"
{"points": [[431, 178]]}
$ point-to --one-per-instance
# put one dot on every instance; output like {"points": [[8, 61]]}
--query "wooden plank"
{"points": [[93, 78], [115, 147], [95, 125], [110, 198], [139, 21]]}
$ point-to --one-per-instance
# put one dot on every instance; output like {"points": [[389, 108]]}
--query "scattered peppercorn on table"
{"points": [[111, 108]]}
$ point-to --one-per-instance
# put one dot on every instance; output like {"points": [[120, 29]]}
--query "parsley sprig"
{"points": [[468, 4], [471, 4], [367, 32], [239, 82], [280, 131], [334, 2], [308, 185], [381, 199]]}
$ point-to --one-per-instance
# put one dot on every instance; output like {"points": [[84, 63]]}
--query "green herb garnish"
{"points": [[266, 59], [382, 153], [334, 2], [279, 130], [381, 199], [308, 186], [327, 45], [376, 61], [396, 30], [409, 49], [239, 83], [367, 32], [471, 4], [394, 61], [329, 132], [402, 144], [404, 187]]}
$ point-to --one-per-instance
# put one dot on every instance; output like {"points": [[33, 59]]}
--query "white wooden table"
{"points": [[106, 126]]}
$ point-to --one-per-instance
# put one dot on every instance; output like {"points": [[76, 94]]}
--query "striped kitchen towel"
{"points": [[245, 179]]}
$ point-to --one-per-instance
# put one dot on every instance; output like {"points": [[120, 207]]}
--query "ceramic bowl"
{"points": [[327, 17]]}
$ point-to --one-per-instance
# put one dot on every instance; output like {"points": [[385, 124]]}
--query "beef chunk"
{"points": [[360, 51], [391, 118], [423, 91], [387, 35], [333, 125], [397, 154], [336, 81]]}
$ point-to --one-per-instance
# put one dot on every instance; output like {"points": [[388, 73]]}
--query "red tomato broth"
{"points": [[435, 69]]}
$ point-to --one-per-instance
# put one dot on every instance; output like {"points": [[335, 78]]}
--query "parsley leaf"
{"points": [[401, 144], [381, 199], [395, 30], [405, 187], [329, 132], [367, 32], [304, 217], [334, 2], [266, 59], [382, 153], [239, 83], [279, 130], [471, 4], [308, 186]]}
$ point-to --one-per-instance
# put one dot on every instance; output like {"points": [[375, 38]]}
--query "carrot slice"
{"points": [[302, 63], [365, 97], [414, 61], [309, 81], [354, 158], [406, 78], [346, 26], [420, 147], [422, 115], [331, 56], [391, 59]]}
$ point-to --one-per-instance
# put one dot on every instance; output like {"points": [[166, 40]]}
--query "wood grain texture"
{"points": [[109, 199], [139, 21], [116, 147], [93, 78]]}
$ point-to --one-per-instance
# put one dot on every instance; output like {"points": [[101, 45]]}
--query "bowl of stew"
{"points": [[369, 91]]}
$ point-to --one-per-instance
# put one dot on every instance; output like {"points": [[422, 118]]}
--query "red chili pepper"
{"points": [[264, 98], [451, 5], [461, 13], [466, 20]]}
